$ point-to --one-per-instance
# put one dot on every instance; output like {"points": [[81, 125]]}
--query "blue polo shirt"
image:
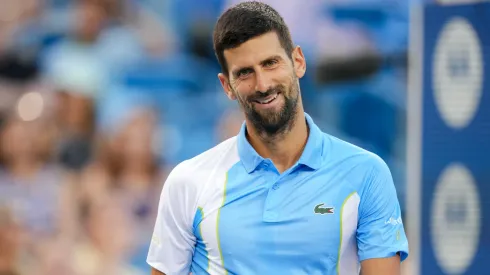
{"points": [[229, 211]]}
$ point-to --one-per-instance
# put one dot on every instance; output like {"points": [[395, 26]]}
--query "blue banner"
{"points": [[455, 140]]}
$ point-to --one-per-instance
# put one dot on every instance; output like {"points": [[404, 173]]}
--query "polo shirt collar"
{"points": [[311, 156]]}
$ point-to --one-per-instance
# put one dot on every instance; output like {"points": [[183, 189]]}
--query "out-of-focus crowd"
{"points": [[76, 196], [98, 100]]}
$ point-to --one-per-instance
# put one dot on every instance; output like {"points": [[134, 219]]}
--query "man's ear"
{"points": [[225, 83], [299, 62]]}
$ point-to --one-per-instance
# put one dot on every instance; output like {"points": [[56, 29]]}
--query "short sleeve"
{"points": [[172, 243], [380, 232]]}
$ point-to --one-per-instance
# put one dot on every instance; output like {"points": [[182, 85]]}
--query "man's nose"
{"points": [[262, 81]]}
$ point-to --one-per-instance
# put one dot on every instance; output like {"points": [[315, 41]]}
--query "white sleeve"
{"points": [[172, 243]]}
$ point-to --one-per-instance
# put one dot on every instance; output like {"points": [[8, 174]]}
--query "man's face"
{"points": [[264, 80]]}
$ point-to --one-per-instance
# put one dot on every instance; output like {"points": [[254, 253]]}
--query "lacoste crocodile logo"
{"points": [[319, 209]]}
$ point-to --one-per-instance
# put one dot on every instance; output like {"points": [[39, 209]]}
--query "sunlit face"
{"points": [[264, 80]]}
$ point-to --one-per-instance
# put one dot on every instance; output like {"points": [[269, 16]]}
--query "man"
{"points": [[282, 197]]}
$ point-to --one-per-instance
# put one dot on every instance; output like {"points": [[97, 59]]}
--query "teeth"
{"points": [[266, 101]]}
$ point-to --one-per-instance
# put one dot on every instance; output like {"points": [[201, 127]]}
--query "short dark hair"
{"points": [[245, 21]]}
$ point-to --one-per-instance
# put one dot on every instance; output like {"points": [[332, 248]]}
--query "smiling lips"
{"points": [[268, 99]]}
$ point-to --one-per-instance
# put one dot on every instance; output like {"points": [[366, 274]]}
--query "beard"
{"points": [[272, 123]]}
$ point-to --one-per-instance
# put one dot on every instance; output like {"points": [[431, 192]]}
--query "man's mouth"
{"points": [[268, 99]]}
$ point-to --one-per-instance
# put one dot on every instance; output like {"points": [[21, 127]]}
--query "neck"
{"points": [[284, 149]]}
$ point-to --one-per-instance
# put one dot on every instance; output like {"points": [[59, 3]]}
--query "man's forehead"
{"points": [[254, 51]]}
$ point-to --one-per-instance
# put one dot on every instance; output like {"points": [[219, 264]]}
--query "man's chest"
{"points": [[272, 224]]}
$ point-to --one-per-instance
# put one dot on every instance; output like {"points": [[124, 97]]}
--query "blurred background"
{"points": [[100, 99]]}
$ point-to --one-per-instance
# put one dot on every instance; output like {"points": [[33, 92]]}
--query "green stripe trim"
{"points": [[340, 242], [217, 225]]}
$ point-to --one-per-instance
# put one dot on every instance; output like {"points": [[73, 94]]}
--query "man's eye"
{"points": [[244, 73], [270, 63]]}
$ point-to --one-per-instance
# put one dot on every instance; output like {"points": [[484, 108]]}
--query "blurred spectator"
{"points": [[108, 243], [128, 169], [31, 184], [75, 120], [95, 48], [74, 63], [75, 70]]}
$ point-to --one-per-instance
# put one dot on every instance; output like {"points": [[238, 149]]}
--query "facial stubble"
{"points": [[271, 124]]}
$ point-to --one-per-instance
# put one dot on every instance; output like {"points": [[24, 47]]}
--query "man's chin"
{"points": [[269, 117], [273, 130], [270, 124]]}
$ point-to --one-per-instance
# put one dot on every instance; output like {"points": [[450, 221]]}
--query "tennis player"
{"points": [[281, 197]]}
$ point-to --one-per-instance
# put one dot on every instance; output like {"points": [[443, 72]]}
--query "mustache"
{"points": [[261, 95]]}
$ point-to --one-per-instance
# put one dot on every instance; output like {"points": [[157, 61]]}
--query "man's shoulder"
{"points": [[220, 157], [350, 154]]}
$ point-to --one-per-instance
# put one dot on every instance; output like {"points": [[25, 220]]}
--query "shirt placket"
{"points": [[271, 211]]}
